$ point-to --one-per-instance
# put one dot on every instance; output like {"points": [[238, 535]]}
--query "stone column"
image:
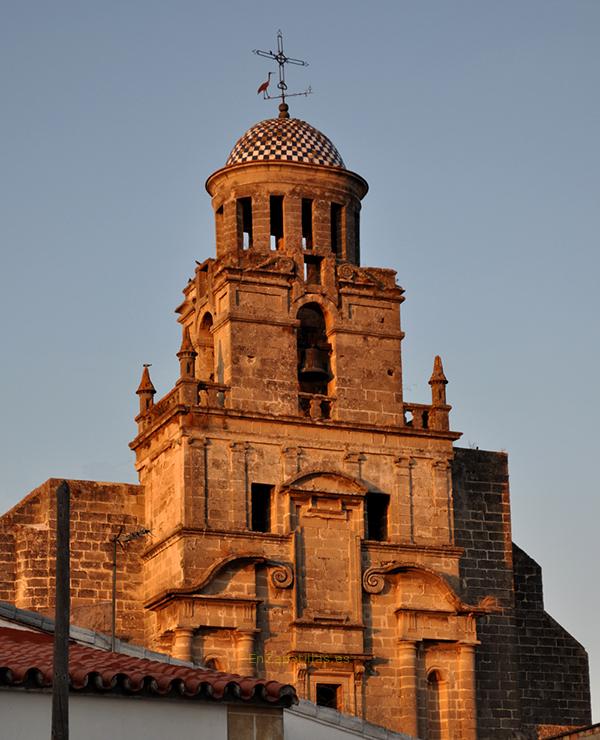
{"points": [[245, 652], [349, 232], [467, 692], [322, 226], [292, 226], [407, 662], [228, 241], [261, 223], [182, 643]]}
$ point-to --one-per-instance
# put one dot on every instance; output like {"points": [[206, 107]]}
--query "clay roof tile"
{"points": [[26, 659]]}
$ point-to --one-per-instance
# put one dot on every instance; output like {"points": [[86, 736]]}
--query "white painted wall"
{"points": [[26, 715], [308, 721]]}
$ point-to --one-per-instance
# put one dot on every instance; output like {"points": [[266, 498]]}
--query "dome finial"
{"points": [[281, 60]]}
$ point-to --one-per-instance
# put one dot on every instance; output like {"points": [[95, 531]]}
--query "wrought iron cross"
{"points": [[282, 60]]}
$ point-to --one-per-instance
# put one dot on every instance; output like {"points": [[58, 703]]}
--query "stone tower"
{"points": [[301, 510], [308, 524]]}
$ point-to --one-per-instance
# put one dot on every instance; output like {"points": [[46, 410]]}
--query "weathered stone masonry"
{"points": [[308, 522]]}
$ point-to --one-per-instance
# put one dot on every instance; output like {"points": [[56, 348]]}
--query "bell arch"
{"points": [[314, 371], [205, 362]]}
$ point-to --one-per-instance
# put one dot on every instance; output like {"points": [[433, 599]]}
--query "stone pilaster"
{"points": [[239, 493], [467, 693], [442, 487], [401, 515]]}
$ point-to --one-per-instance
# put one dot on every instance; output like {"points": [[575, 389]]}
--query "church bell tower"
{"points": [[301, 509]]}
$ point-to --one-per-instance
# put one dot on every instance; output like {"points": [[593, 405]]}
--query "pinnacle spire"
{"points": [[145, 385], [186, 343], [437, 376]]}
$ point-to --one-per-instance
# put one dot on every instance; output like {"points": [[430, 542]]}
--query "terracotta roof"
{"points": [[26, 661]]}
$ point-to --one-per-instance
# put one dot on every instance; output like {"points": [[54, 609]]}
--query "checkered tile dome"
{"points": [[285, 140]]}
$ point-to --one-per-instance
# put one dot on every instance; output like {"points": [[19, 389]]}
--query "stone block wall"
{"points": [[531, 674], [98, 510], [482, 527], [553, 666]]}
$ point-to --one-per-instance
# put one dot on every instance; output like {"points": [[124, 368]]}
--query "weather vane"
{"points": [[281, 60]]}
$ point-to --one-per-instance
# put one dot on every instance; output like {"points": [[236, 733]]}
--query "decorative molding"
{"points": [[373, 580], [283, 579], [282, 576]]}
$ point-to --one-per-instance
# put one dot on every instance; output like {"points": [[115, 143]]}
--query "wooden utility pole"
{"points": [[60, 682]]}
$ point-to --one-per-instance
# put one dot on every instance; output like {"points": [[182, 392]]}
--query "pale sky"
{"points": [[476, 125]]}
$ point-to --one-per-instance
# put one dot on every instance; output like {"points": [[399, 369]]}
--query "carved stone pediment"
{"points": [[325, 482], [281, 576], [421, 589]]}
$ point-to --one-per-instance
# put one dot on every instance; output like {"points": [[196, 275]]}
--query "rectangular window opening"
{"points": [[307, 223], [312, 270], [261, 507], [336, 228], [244, 212], [276, 211], [377, 516], [328, 695]]}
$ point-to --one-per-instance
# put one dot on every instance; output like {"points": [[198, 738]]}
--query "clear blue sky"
{"points": [[475, 123]]}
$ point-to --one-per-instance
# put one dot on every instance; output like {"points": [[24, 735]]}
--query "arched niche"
{"points": [[436, 706], [205, 362]]}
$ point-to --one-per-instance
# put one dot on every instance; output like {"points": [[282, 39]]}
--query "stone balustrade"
{"points": [[315, 405], [212, 395], [425, 416]]}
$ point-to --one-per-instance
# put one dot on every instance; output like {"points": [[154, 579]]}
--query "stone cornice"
{"points": [[180, 533], [451, 551]]}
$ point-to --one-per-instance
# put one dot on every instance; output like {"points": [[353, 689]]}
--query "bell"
{"points": [[314, 364]]}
